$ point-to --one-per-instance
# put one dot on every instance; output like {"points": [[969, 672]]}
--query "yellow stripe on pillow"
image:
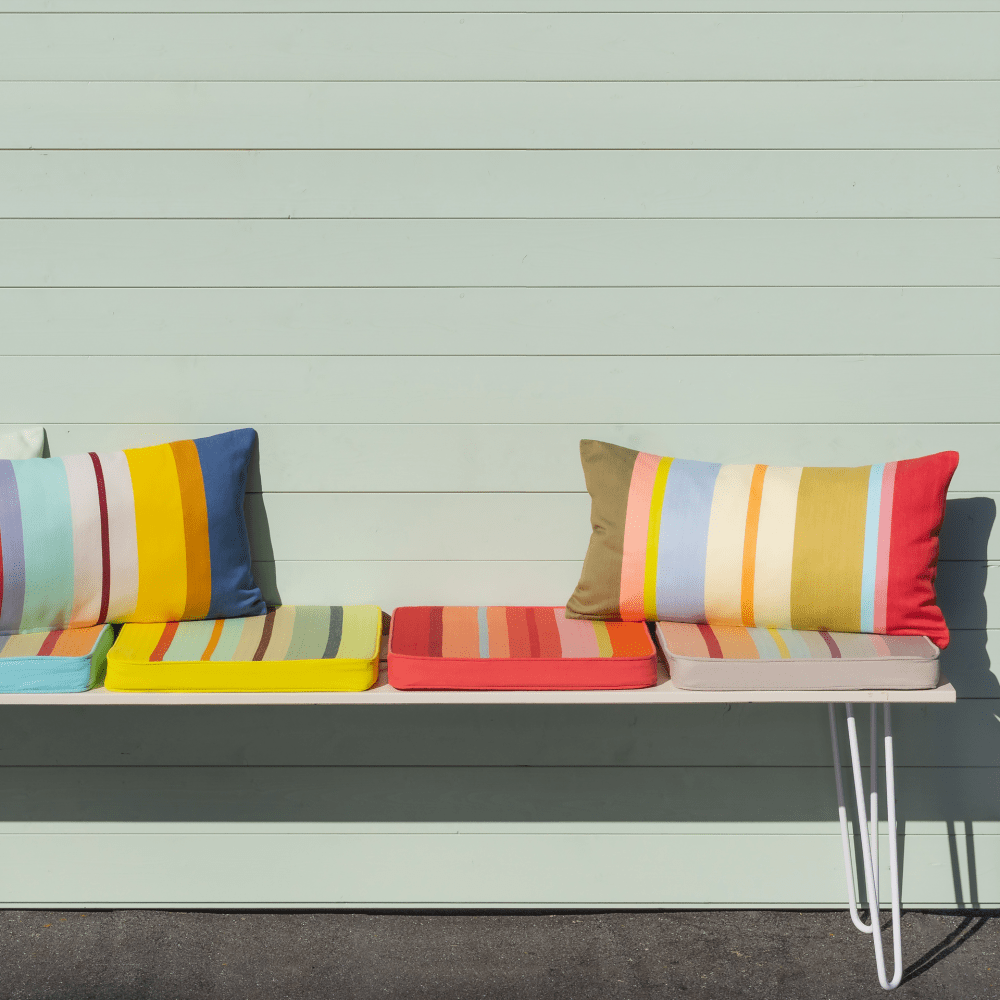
{"points": [[159, 529]]}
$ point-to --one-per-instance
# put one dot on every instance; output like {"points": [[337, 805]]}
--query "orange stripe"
{"points": [[735, 642], [169, 631], [496, 624], [629, 638], [77, 641], [460, 632], [195, 513], [750, 544], [213, 639]]}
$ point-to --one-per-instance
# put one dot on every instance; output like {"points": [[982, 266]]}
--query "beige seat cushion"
{"points": [[734, 658]]}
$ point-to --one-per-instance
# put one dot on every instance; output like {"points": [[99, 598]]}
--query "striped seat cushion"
{"points": [[848, 549], [515, 648], [54, 662], [291, 648], [736, 658], [142, 535]]}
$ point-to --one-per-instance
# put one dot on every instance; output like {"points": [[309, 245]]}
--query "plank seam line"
{"points": [[459, 80], [487, 767], [860, 357], [498, 149], [473, 11], [499, 218], [897, 285]]}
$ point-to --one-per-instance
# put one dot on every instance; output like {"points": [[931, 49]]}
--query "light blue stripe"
{"points": [[767, 648], [680, 560], [12, 597], [797, 648], [47, 523], [871, 548], [484, 635]]}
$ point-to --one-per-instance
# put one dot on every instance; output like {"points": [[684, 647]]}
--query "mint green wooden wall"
{"points": [[423, 254]]}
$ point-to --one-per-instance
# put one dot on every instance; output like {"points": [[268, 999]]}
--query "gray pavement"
{"points": [[140, 954]]}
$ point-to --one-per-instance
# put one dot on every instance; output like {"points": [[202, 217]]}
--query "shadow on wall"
{"points": [[259, 531]]}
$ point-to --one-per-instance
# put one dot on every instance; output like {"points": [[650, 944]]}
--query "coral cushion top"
{"points": [[141, 535], [516, 649], [844, 549]]}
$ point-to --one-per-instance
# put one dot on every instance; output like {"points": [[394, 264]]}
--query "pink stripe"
{"points": [[884, 533], [576, 637], [85, 512], [881, 646], [640, 495], [124, 550]]}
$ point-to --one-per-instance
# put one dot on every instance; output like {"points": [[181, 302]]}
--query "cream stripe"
{"points": [[724, 552], [24, 644], [86, 514], [281, 632], [253, 629], [772, 600], [122, 544]]}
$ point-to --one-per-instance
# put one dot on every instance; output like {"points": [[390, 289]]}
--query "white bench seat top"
{"points": [[662, 693]]}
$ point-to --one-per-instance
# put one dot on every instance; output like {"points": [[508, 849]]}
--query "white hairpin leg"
{"points": [[869, 837], [845, 837]]}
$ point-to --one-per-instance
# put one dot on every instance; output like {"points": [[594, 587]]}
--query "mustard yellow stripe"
{"points": [[159, 529], [653, 539], [780, 643], [604, 647], [829, 549]]}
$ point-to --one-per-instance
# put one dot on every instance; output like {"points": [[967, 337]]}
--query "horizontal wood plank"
{"points": [[404, 525], [283, 7], [521, 46], [582, 795], [735, 735], [497, 321], [478, 869], [498, 389], [499, 183], [965, 589], [473, 252], [538, 458], [482, 115]]}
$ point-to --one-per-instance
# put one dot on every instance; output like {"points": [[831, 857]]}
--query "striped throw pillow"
{"points": [[141, 535], [842, 549]]}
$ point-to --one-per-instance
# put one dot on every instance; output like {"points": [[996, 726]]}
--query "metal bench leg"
{"points": [[845, 837], [869, 849]]}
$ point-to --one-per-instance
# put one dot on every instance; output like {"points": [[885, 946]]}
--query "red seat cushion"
{"points": [[516, 649]]}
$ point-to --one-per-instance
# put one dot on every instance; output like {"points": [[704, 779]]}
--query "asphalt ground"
{"points": [[165, 955]]}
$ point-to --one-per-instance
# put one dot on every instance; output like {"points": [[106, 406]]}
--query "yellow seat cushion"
{"points": [[291, 648]]}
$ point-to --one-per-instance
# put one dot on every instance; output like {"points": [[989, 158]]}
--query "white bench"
{"points": [[662, 693]]}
